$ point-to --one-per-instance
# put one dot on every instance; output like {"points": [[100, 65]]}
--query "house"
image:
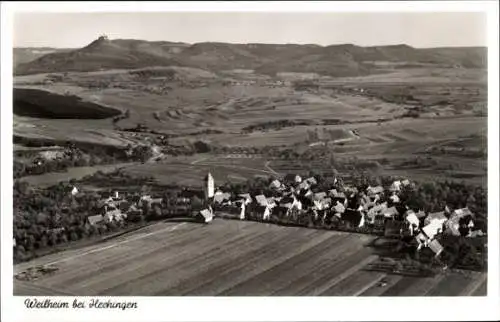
{"points": [[275, 184], [221, 197], [395, 186], [475, 234], [247, 197], [433, 228], [461, 213], [319, 196], [422, 241], [293, 201], [452, 227], [405, 182], [95, 220], [412, 220], [74, 191], [322, 204], [376, 210], [435, 216], [350, 189], [338, 196], [271, 202], [318, 205], [311, 181], [133, 210], [366, 202], [394, 198], [420, 214], [156, 201], [390, 212], [261, 200], [267, 213], [374, 190], [304, 185], [436, 247], [339, 208], [206, 215]]}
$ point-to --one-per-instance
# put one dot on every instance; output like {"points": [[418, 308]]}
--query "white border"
{"points": [[255, 308]]}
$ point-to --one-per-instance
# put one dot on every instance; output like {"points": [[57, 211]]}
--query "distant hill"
{"points": [[335, 60], [28, 54]]}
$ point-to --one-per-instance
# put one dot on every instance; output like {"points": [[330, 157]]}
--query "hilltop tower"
{"points": [[209, 186]]}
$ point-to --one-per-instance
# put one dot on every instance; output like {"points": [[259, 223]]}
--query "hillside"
{"points": [[103, 54], [335, 60], [28, 54]]}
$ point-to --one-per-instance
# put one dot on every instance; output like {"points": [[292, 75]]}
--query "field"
{"points": [[267, 111], [254, 111], [232, 258], [52, 178]]}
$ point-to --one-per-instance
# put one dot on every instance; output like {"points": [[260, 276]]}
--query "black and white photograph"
{"points": [[249, 154]]}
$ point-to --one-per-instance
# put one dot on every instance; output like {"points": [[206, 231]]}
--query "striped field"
{"points": [[232, 258]]}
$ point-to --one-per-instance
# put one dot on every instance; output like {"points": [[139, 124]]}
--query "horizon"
{"points": [[250, 43], [417, 30]]}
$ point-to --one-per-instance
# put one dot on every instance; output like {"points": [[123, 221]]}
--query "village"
{"points": [[293, 200]]}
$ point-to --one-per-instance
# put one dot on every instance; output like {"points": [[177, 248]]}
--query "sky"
{"points": [[421, 30]]}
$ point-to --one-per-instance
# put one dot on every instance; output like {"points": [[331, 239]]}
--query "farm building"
{"points": [[311, 181], [394, 198], [395, 186], [319, 196], [433, 228], [339, 208], [206, 215], [439, 216], [275, 184], [390, 212], [413, 221], [436, 247], [222, 197], [95, 220], [261, 200], [374, 190]]}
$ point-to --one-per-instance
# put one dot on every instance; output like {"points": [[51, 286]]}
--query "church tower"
{"points": [[209, 186]]}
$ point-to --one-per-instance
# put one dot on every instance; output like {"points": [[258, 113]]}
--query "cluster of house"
{"points": [[373, 207], [120, 207], [292, 197]]}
